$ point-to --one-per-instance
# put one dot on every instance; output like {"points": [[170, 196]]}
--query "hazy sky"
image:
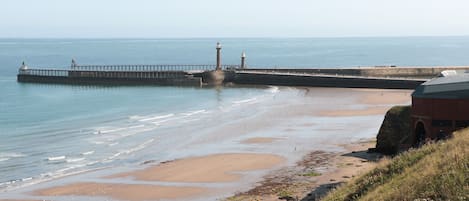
{"points": [[232, 18]]}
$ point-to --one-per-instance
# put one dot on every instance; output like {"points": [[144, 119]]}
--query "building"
{"points": [[440, 106]]}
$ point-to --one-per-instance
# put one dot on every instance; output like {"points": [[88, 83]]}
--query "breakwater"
{"points": [[419, 72], [199, 75], [178, 78], [324, 80], [177, 75]]}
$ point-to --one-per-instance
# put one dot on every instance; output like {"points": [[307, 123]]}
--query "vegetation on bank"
{"points": [[437, 171]]}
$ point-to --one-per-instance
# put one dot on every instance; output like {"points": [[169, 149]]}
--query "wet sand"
{"points": [[260, 140]]}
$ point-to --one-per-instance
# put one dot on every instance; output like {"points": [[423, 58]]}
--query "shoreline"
{"points": [[303, 134]]}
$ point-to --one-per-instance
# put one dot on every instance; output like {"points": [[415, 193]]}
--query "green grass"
{"points": [[311, 174], [284, 193], [436, 171]]}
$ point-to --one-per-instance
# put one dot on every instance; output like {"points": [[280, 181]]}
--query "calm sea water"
{"points": [[48, 131]]}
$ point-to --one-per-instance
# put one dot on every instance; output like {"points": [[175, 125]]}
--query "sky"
{"points": [[231, 18]]}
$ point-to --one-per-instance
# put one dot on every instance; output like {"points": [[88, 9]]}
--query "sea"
{"points": [[50, 131]]}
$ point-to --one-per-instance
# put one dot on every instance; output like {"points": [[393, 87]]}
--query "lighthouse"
{"points": [[218, 57], [243, 60]]}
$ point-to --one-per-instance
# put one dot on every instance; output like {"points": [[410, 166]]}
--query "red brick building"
{"points": [[440, 106]]}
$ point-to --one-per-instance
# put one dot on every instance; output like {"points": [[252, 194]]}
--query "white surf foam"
{"points": [[128, 151], [4, 159], [99, 131], [245, 101], [113, 144], [139, 147], [67, 169], [56, 158], [27, 179], [273, 89], [87, 153], [11, 155], [194, 112], [160, 122], [97, 142], [156, 117], [74, 160], [137, 126]]}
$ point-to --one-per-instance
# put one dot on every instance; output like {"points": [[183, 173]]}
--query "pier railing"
{"points": [[120, 68], [45, 72], [121, 71], [160, 68]]}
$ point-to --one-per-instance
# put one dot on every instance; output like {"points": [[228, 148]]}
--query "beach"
{"points": [[296, 142]]}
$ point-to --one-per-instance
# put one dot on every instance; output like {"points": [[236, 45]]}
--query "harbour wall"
{"points": [[401, 72], [179, 81], [364, 77], [322, 81]]}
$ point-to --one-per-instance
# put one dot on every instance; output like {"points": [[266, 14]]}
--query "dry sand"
{"points": [[378, 101], [358, 112], [212, 168], [385, 97], [17, 200], [132, 192]]}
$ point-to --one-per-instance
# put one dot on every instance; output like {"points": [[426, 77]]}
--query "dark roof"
{"points": [[454, 86]]}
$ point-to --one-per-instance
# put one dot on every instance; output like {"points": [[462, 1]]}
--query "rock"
{"points": [[395, 127], [287, 198]]}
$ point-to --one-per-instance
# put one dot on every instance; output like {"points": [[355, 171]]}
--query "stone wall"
{"points": [[403, 72], [187, 81], [322, 81]]}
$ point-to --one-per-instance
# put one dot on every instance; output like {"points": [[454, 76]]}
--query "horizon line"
{"points": [[247, 37]]}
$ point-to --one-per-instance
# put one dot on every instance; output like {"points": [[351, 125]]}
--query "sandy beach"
{"points": [[377, 102], [213, 168], [133, 192], [301, 150]]}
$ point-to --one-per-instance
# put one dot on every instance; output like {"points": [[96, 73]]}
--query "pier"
{"points": [[183, 75], [391, 77]]}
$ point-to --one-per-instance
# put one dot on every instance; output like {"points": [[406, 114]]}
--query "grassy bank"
{"points": [[436, 171]]}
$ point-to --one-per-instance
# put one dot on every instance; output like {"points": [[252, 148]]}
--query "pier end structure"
{"points": [[217, 76], [243, 60]]}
